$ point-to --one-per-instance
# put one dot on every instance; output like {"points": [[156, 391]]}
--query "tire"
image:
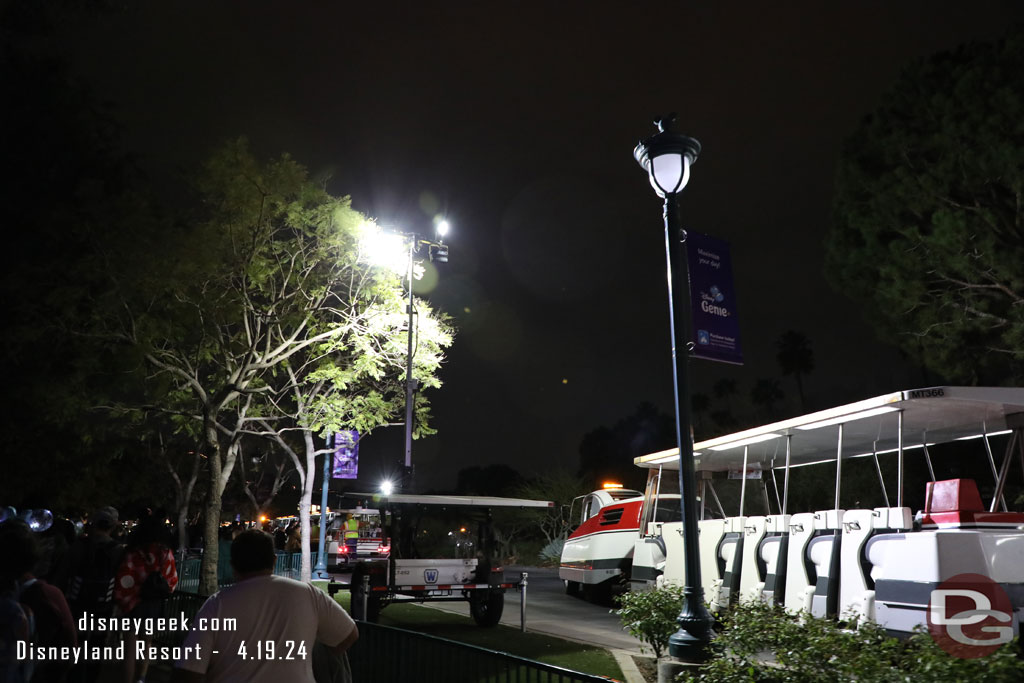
{"points": [[486, 607], [572, 588]]}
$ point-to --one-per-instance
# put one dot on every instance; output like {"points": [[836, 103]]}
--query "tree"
{"points": [[767, 393], [263, 477], [353, 379], [795, 358], [63, 176], [928, 230], [724, 389], [607, 453], [256, 308], [547, 527], [561, 488], [182, 462], [700, 404]]}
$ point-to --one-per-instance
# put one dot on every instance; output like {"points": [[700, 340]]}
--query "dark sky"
{"points": [[519, 120]]}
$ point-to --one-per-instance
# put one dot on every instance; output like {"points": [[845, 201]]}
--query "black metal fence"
{"points": [[384, 654], [180, 602]]}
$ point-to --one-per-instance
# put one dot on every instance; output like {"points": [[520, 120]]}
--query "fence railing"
{"points": [[288, 564], [384, 654], [180, 602]]}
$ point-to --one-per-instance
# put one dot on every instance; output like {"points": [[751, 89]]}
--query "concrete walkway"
{"points": [[551, 612]]}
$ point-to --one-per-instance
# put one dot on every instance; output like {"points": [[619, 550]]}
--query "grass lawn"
{"points": [[542, 648]]}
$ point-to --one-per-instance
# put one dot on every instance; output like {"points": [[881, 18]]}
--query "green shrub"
{"points": [[551, 554], [765, 644], [650, 615]]}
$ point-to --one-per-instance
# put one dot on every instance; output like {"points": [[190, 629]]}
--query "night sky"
{"points": [[519, 123]]}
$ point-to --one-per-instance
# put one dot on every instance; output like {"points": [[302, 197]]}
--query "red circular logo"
{"points": [[970, 616]]}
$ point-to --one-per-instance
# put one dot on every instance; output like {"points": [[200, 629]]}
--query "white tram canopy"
{"points": [[458, 501], [922, 417]]}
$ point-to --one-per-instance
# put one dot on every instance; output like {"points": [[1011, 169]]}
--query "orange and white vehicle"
{"points": [[617, 541], [599, 551]]}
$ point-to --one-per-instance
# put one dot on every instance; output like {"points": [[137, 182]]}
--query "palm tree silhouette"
{"points": [[795, 358]]}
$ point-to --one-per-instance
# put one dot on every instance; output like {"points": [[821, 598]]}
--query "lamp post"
{"points": [[667, 156], [320, 570]]}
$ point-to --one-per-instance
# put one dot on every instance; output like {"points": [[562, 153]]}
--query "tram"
{"points": [[879, 563]]}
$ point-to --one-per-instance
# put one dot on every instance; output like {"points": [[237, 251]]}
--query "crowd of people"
{"points": [[60, 588], [50, 581]]}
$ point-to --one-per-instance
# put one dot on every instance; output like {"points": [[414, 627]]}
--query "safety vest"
{"points": [[351, 528]]}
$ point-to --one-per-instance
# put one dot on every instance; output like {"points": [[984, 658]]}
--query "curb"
{"points": [[629, 670]]}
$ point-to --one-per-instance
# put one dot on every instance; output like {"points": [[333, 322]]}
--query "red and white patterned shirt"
{"points": [[136, 565]]}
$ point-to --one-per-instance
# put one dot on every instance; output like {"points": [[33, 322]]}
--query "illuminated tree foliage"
{"points": [[256, 314], [929, 217]]}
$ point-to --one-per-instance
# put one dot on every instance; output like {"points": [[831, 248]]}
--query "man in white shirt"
{"points": [[276, 623]]}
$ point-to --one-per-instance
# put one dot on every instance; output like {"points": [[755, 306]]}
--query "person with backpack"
{"points": [[92, 563], [92, 566], [147, 576]]}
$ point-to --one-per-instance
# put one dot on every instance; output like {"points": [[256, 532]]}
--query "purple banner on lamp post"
{"points": [[346, 455], [715, 325]]}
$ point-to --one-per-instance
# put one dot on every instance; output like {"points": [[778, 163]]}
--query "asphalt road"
{"points": [[549, 610]]}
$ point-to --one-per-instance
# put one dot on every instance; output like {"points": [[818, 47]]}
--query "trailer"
{"points": [[441, 549], [882, 563]]}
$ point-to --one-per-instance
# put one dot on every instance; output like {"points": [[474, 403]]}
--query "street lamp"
{"points": [[667, 156]]}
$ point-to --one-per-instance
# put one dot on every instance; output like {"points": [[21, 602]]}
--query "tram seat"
{"points": [[892, 519], [823, 552], [856, 589], [675, 569], [956, 504], [799, 582], [710, 532], [856, 585], [752, 568], [771, 561], [729, 555]]}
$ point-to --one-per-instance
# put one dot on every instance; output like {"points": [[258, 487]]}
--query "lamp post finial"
{"points": [[665, 122]]}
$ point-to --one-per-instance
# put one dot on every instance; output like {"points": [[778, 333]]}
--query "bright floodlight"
{"points": [[442, 228], [384, 249], [386, 487]]}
